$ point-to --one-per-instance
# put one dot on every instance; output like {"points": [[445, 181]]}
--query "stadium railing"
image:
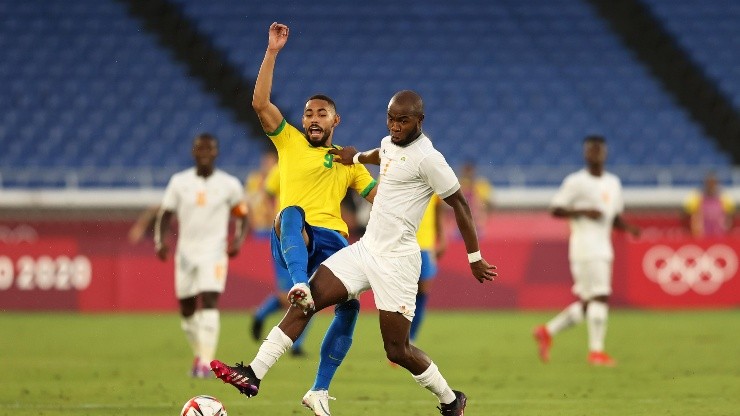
{"points": [[515, 187]]}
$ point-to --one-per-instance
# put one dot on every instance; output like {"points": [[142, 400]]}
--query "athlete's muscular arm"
{"points": [[161, 227], [441, 243], [269, 115], [561, 212], [370, 197], [345, 156], [481, 269], [241, 229]]}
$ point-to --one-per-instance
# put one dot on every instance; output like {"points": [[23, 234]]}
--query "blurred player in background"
{"points": [[309, 227], [278, 300], [591, 199], [203, 199], [709, 211], [261, 202], [479, 193], [386, 259], [433, 244]]}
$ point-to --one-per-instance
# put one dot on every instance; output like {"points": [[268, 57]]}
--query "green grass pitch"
{"points": [[670, 363]]}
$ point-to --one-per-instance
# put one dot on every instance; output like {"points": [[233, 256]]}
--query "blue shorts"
{"points": [[428, 265], [323, 242]]}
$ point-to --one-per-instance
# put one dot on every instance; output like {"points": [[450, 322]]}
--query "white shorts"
{"points": [[591, 278], [393, 280], [203, 275]]}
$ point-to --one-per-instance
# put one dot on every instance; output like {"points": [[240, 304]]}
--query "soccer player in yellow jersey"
{"points": [[276, 301], [309, 227], [433, 243]]}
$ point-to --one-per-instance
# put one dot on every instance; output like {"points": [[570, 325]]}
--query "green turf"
{"points": [[670, 363]]}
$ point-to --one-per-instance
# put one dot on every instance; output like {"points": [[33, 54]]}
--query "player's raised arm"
{"points": [[269, 115], [478, 265]]}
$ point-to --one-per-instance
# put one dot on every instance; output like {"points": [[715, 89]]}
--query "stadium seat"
{"points": [[520, 83]]}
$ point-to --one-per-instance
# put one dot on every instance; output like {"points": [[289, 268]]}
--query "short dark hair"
{"points": [[594, 138], [325, 98], [205, 136]]}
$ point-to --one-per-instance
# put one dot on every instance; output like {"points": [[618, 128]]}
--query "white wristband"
{"points": [[356, 158], [473, 257]]}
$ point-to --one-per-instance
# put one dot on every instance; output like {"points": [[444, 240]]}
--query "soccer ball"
{"points": [[203, 406]]}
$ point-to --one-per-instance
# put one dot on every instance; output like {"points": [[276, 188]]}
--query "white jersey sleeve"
{"points": [[170, 199], [236, 191], [439, 175], [566, 193]]}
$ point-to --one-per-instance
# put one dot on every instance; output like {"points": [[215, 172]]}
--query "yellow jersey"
{"points": [[310, 179], [426, 235], [692, 204]]}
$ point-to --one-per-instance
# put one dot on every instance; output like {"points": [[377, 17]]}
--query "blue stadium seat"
{"points": [[81, 77], [708, 30], [520, 82]]}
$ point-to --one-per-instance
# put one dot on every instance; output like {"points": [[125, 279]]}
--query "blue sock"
{"points": [[268, 306], [292, 245], [337, 340], [421, 306]]}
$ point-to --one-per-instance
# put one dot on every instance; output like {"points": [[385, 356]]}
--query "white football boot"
{"points": [[300, 296], [318, 402]]}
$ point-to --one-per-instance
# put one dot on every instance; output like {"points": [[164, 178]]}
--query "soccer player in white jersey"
{"points": [[386, 259], [203, 198], [591, 199]]}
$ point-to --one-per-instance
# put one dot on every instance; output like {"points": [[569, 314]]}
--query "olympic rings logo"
{"points": [[690, 268]]}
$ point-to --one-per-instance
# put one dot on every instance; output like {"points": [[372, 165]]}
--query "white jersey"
{"points": [[590, 239], [408, 178], [203, 207]]}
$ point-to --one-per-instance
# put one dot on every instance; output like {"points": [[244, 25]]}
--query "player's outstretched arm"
{"points": [[478, 265], [349, 156], [268, 113], [561, 212]]}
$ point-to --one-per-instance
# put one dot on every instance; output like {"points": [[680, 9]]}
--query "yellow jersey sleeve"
{"points": [[310, 179], [426, 235]]}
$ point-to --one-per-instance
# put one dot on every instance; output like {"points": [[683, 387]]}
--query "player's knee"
{"points": [[209, 300], [396, 353], [291, 217], [187, 306]]}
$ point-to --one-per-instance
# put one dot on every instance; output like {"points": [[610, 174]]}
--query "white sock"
{"points": [[189, 326], [209, 326], [597, 314], [272, 348], [432, 380], [571, 315]]}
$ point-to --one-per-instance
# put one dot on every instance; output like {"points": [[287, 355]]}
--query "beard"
{"points": [[408, 139], [321, 142]]}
